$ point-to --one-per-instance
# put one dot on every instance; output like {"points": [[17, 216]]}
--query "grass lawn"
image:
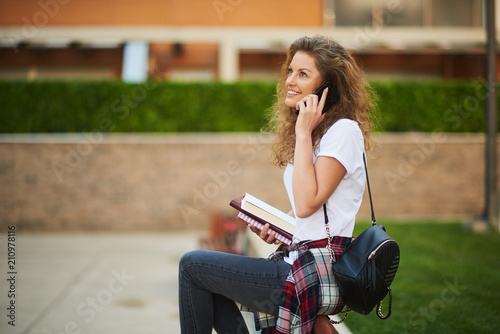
{"points": [[448, 282]]}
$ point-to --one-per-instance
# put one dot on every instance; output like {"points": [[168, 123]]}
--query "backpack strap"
{"points": [[379, 307], [379, 313], [374, 221]]}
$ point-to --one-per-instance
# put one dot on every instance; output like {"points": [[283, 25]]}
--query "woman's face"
{"points": [[303, 78]]}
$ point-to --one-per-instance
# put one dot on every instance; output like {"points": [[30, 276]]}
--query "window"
{"points": [[427, 13], [403, 12], [353, 12], [454, 13]]}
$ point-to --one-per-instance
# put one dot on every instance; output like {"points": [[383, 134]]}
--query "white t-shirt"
{"points": [[344, 142]]}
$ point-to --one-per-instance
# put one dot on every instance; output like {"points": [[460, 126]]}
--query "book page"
{"points": [[272, 219], [268, 208]]}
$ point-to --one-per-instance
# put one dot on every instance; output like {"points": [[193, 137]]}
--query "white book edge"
{"points": [[269, 208]]}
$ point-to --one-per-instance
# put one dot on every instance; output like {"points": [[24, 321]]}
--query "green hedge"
{"points": [[121, 107], [451, 106], [428, 106]]}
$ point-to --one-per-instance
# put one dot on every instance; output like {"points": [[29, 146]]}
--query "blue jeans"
{"points": [[211, 282]]}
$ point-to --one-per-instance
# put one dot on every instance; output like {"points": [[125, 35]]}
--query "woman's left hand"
{"points": [[310, 113], [264, 234]]}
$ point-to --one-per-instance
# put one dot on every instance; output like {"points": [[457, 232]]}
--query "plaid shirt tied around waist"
{"points": [[309, 290]]}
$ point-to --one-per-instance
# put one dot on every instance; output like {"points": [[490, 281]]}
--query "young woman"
{"points": [[323, 155]]}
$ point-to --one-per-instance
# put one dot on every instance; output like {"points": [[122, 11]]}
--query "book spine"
{"points": [[260, 226]]}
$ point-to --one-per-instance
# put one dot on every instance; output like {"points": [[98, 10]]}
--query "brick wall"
{"points": [[161, 182]]}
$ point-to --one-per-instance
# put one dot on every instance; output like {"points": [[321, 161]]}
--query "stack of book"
{"points": [[258, 213]]}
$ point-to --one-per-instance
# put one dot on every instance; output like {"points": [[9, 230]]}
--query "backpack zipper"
{"points": [[372, 254]]}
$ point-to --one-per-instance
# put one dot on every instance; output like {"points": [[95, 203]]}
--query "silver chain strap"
{"points": [[379, 308], [329, 242], [330, 249], [333, 322]]}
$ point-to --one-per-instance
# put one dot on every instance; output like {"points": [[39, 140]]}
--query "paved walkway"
{"points": [[95, 283]]}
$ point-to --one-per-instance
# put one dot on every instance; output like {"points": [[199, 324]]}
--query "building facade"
{"points": [[235, 39]]}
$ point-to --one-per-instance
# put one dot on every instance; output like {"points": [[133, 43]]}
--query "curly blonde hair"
{"points": [[355, 96]]}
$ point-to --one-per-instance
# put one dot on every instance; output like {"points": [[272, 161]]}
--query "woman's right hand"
{"points": [[268, 238]]}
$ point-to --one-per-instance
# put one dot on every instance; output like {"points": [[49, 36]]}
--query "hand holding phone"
{"points": [[331, 97]]}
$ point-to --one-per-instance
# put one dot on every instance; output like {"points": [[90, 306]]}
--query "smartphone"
{"points": [[331, 98]]}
